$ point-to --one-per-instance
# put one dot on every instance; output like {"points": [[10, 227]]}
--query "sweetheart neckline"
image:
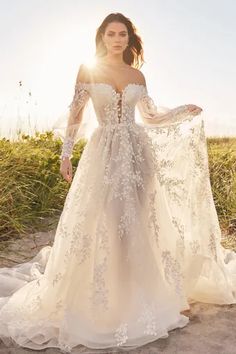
{"points": [[113, 88]]}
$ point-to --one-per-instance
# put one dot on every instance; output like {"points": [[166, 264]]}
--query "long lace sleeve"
{"points": [[80, 98], [162, 116]]}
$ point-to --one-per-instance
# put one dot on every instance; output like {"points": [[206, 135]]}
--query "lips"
{"points": [[117, 46]]}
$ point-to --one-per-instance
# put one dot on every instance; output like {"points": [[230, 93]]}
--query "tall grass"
{"points": [[32, 192], [31, 188], [222, 166]]}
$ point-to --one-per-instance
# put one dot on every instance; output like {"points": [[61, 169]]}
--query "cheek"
{"points": [[124, 40], [107, 39]]}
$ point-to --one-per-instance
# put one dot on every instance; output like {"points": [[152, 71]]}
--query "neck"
{"points": [[114, 60]]}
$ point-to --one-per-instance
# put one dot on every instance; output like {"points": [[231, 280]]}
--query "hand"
{"points": [[66, 169], [192, 108]]}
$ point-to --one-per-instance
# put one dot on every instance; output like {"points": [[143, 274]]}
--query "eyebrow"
{"points": [[119, 32]]}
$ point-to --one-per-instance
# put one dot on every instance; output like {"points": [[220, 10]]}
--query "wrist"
{"points": [[67, 148], [64, 158]]}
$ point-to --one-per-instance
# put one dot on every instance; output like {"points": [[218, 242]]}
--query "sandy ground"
{"points": [[211, 330]]}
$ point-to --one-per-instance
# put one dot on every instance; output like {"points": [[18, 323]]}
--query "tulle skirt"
{"points": [[137, 242]]}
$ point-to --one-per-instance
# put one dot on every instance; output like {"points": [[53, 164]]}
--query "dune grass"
{"points": [[222, 166], [32, 191]]}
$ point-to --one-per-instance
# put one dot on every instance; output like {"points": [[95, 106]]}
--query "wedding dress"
{"points": [[138, 240]]}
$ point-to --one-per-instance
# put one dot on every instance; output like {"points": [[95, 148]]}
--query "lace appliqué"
{"points": [[149, 320], [153, 223], [161, 116], [173, 272], [180, 241], [79, 100], [99, 292], [121, 334], [195, 247]]}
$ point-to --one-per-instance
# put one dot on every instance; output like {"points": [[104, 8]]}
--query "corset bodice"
{"points": [[112, 107]]}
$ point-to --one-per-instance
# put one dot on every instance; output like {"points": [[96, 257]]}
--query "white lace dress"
{"points": [[138, 239]]}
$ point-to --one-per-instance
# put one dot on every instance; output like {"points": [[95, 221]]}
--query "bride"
{"points": [[138, 240]]}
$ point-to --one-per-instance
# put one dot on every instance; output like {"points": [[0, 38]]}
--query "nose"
{"points": [[117, 38]]}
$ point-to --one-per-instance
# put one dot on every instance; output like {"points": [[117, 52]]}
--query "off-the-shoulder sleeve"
{"points": [[80, 98], [161, 116]]}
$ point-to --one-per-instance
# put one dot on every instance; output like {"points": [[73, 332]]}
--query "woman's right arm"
{"points": [[81, 96]]}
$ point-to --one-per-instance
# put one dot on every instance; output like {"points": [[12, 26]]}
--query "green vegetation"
{"points": [[32, 191], [222, 166]]}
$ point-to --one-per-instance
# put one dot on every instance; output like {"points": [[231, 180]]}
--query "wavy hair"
{"points": [[133, 54]]}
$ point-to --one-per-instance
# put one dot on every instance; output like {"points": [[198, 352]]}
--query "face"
{"points": [[115, 38]]}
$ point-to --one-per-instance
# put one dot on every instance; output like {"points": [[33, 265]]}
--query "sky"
{"points": [[189, 51]]}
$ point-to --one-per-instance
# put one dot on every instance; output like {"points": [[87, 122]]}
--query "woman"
{"points": [[138, 239]]}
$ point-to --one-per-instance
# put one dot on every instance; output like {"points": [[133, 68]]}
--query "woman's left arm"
{"points": [[163, 116]]}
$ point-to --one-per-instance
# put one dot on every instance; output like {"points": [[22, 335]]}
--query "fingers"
{"points": [[69, 173], [198, 110], [66, 171], [195, 110]]}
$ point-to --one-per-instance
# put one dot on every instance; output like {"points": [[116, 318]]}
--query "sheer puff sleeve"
{"points": [[160, 116], [76, 108]]}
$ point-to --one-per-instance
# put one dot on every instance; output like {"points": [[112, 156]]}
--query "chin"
{"points": [[117, 50]]}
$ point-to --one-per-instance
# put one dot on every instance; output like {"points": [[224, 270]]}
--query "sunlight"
{"points": [[90, 62]]}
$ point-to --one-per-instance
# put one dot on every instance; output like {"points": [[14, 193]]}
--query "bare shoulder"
{"points": [[138, 76], [83, 74]]}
